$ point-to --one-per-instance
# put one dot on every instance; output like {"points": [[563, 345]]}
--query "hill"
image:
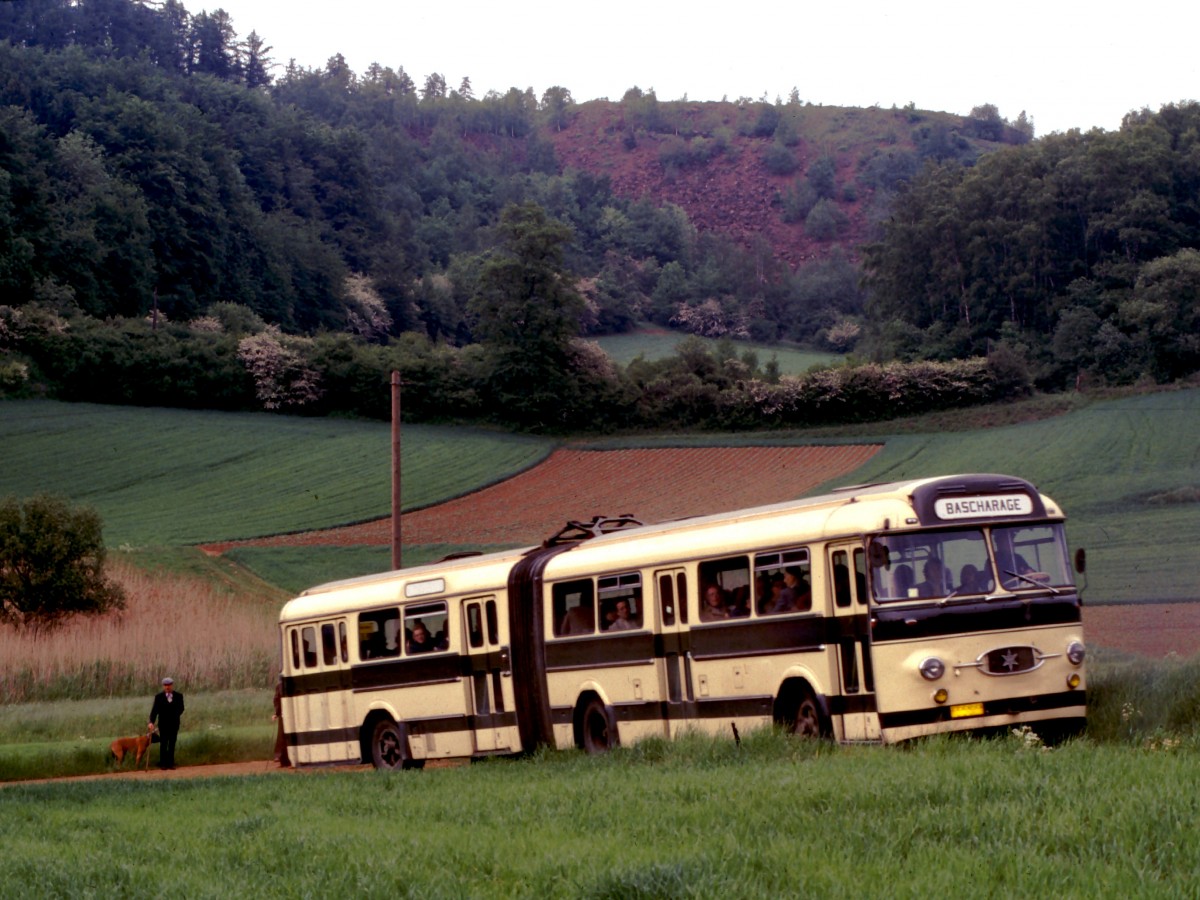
{"points": [[753, 171]]}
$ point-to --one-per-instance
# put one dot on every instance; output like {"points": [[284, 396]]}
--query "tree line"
{"points": [[1080, 251], [179, 225]]}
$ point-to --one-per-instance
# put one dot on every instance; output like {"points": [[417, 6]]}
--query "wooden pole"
{"points": [[396, 564]]}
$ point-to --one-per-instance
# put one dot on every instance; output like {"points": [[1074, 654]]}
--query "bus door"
{"points": [[848, 582], [676, 667], [321, 694], [490, 676]]}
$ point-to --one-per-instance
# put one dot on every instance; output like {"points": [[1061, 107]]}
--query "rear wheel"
{"points": [[389, 747], [597, 734]]}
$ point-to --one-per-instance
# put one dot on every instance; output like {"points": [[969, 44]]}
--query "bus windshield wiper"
{"points": [[1034, 582]]}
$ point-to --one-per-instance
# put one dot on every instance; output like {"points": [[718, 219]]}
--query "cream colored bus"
{"points": [[874, 613]]}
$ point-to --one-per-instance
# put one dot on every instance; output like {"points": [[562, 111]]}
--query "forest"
{"points": [[184, 221]]}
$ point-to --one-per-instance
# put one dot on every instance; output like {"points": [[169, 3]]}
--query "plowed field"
{"points": [[653, 485]]}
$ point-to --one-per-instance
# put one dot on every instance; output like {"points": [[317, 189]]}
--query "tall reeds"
{"points": [[200, 633]]}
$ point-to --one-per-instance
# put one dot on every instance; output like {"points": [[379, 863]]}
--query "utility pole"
{"points": [[396, 470]]}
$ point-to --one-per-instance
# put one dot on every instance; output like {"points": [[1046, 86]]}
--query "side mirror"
{"points": [[1080, 560]]}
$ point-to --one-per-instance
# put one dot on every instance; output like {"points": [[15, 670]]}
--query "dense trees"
{"points": [[1078, 247]]}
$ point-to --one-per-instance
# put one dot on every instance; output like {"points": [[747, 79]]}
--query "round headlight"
{"points": [[932, 668], [1076, 653]]}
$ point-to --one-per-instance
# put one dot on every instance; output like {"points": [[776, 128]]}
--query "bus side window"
{"points": [[295, 649], [860, 576], [309, 637], [329, 644], [493, 624], [782, 582], [681, 596], [377, 634], [426, 628], [574, 608], [345, 642], [725, 588], [474, 625], [841, 578], [666, 599], [620, 602]]}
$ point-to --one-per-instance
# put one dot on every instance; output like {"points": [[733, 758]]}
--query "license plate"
{"points": [[964, 710]]}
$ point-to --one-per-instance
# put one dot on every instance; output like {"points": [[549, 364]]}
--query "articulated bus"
{"points": [[874, 613]]}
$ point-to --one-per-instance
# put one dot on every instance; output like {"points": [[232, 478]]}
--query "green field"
{"points": [[172, 477], [656, 345]]}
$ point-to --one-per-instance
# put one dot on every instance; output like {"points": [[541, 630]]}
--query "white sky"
{"points": [[1066, 64]]}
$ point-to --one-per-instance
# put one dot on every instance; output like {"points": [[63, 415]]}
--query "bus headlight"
{"points": [[932, 668], [1076, 653]]}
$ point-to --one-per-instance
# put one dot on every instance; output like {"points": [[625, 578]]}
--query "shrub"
{"points": [[52, 563]]}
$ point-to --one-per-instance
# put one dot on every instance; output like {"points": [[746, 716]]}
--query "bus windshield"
{"points": [[1031, 556], [958, 563]]}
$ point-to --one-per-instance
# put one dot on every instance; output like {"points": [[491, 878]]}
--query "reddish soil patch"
{"points": [[1151, 629], [653, 485]]}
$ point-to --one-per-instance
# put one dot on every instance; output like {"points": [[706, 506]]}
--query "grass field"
{"points": [[659, 344], [170, 477], [772, 817]]}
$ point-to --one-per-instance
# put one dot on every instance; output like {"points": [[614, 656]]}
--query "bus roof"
{"points": [[853, 510]]}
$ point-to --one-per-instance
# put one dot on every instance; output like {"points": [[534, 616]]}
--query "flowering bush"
{"points": [[281, 375]]}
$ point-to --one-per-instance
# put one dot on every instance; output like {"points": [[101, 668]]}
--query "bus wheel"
{"points": [[596, 733], [389, 747], [807, 722]]}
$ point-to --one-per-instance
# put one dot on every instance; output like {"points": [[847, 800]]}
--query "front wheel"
{"points": [[804, 718], [389, 747]]}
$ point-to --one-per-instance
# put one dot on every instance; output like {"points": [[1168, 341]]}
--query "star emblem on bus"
{"points": [[1010, 660]]}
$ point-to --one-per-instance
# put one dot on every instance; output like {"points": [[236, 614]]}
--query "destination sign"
{"points": [[983, 507]]}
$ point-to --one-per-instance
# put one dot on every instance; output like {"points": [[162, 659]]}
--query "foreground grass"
{"points": [[1132, 702], [697, 818]]}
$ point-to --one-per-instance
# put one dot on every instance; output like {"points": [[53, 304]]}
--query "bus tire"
{"points": [[801, 713], [596, 732], [389, 747]]}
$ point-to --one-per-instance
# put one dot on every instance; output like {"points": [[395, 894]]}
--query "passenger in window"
{"points": [[421, 640], [799, 589], [762, 594], [903, 581], [934, 584], [623, 620], [777, 601], [739, 606], [714, 606], [971, 580], [1018, 567], [441, 640]]}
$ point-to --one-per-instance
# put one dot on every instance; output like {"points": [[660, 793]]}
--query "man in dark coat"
{"points": [[166, 711]]}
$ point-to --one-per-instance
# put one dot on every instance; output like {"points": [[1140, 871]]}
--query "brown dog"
{"points": [[139, 745]]}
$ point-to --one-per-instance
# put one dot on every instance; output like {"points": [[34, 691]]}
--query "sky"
{"points": [[1064, 63]]}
